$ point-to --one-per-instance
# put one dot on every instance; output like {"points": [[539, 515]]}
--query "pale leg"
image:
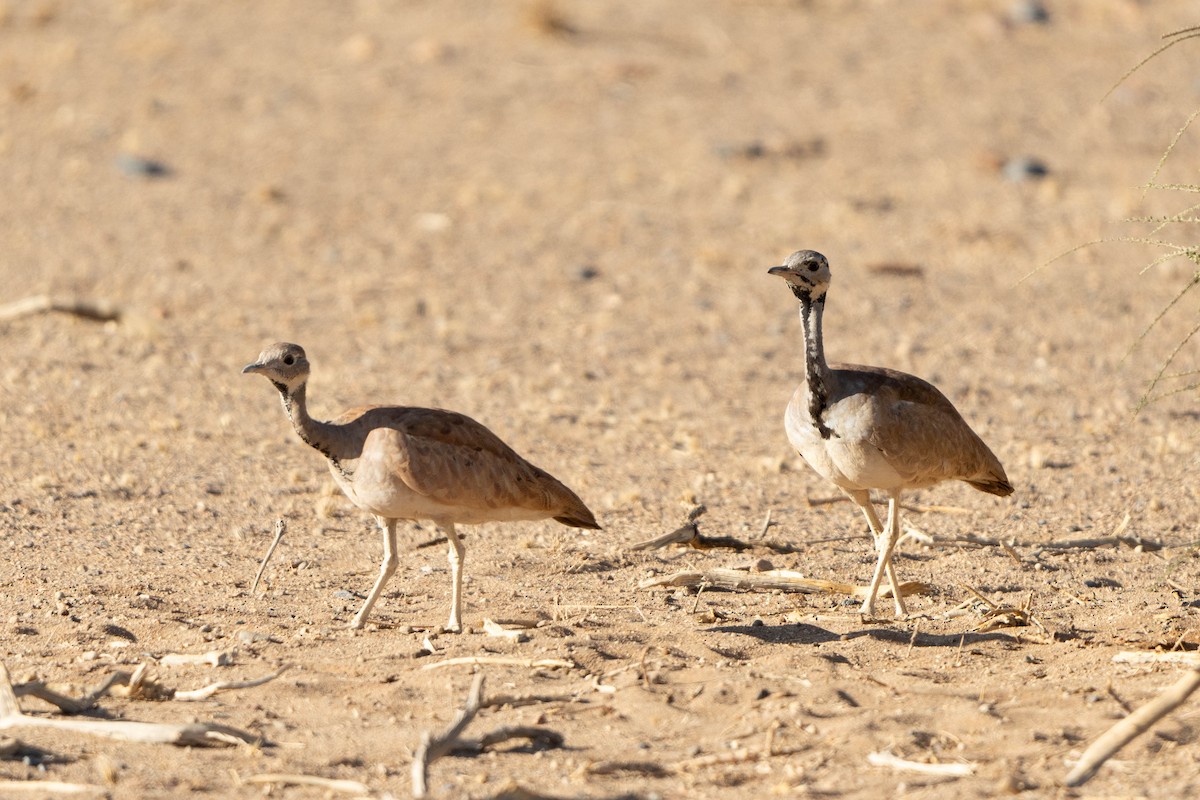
{"points": [[863, 498], [386, 569], [456, 554], [886, 547]]}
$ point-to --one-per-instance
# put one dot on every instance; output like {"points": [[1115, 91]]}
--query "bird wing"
{"points": [[919, 432], [452, 460]]}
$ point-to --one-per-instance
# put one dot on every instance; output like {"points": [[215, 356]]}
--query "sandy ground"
{"points": [[558, 219]]}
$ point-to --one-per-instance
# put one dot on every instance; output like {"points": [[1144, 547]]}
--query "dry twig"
{"points": [[95, 310], [955, 770], [43, 788], [214, 658], [434, 747], [206, 692], [768, 580], [1131, 727], [280, 529], [291, 779], [1187, 657], [492, 628], [149, 732], [527, 663]]}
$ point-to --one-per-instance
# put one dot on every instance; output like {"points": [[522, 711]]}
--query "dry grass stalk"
{"points": [[45, 788], [518, 700], [434, 747], [766, 525], [280, 529], [527, 663], [185, 735], [768, 580], [955, 770], [1131, 727], [289, 779], [1189, 658]]}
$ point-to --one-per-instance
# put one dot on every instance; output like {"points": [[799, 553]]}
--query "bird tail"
{"points": [[998, 487], [581, 518]]}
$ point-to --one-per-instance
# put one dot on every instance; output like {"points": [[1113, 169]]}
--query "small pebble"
{"points": [[138, 167], [1028, 12], [1023, 168]]}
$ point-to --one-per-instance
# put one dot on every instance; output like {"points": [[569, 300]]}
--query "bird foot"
{"points": [[452, 627]]}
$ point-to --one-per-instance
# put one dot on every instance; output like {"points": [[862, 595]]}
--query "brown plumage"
{"points": [[396, 462], [867, 428]]}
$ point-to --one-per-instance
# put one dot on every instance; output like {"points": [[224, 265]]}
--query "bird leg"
{"points": [[886, 544], [385, 570], [456, 554], [863, 499]]}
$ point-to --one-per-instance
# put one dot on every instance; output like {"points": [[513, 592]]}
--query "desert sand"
{"points": [[557, 218]]}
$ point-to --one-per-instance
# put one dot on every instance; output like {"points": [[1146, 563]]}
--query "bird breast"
{"points": [[847, 457]]}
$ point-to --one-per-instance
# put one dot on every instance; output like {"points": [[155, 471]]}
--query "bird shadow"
{"points": [[954, 640], [804, 633], [791, 633]]}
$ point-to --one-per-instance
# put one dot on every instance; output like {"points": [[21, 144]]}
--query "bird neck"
{"points": [[315, 433], [816, 370]]}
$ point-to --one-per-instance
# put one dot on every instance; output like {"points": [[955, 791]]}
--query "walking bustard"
{"points": [[869, 428], [400, 463]]}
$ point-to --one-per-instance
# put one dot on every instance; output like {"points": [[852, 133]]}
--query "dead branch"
{"points": [[1131, 727], [95, 310], [434, 747], [192, 734], [766, 524], [206, 692], [280, 529], [769, 580], [290, 779], [68, 705]]}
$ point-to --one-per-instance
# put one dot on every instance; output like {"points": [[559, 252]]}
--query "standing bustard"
{"points": [[400, 463], [869, 428]]}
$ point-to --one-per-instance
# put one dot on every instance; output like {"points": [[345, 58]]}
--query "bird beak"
{"points": [[781, 271], [255, 367]]}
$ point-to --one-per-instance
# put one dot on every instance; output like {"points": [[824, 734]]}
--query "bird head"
{"points": [[284, 364], [807, 272]]}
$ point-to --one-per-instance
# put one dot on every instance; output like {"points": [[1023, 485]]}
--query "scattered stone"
{"points": [[138, 167]]}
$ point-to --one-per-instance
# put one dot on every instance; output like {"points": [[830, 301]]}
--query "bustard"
{"points": [[866, 428], [396, 462]]}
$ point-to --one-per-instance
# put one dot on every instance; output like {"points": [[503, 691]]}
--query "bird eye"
{"points": [[289, 359], [813, 266]]}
